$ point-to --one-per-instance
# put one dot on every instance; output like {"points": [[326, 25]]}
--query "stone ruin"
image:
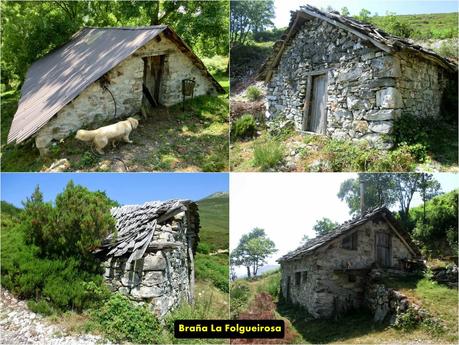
{"points": [[335, 76], [150, 257], [328, 274]]}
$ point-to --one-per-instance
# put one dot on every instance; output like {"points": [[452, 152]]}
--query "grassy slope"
{"points": [[434, 25], [214, 235], [214, 215], [358, 327]]}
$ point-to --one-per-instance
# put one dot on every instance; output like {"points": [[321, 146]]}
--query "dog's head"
{"points": [[134, 122]]}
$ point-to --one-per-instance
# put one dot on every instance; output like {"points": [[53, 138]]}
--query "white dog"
{"points": [[101, 136]]}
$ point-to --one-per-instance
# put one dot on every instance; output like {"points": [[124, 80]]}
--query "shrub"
{"points": [[75, 226], [217, 64], [253, 93], [239, 296], [271, 285], [41, 307], [203, 248], [122, 320], [244, 127], [58, 282], [267, 155], [408, 320], [213, 268], [410, 130]]}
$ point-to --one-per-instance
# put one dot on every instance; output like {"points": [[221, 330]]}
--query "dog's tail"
{"points": [[85, 135]]}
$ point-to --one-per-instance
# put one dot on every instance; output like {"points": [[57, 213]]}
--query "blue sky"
{"points": [[283, 7], [133, 188]]}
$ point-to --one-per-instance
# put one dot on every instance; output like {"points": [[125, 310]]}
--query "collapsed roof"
{"points": [[60, 76], [367, 32], [136, 225], [378, 213]]}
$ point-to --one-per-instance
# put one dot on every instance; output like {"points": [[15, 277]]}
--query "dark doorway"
{"points": [[315, 119], [383, 249], [152, 74], [288, 288]]}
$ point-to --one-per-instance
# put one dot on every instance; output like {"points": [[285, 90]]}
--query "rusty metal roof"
{"points": [[59, 77]]}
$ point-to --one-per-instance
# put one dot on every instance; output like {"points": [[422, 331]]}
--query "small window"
{"points": [[350, 242], [297, 278], [304, 277]]}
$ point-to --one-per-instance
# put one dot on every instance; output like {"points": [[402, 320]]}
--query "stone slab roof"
{"points": [[136, 225], [59, 77], [376, 213], [367, 32]]}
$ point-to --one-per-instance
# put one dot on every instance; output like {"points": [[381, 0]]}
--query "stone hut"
{"points": [[328, 274], [339, 77], [102, 74], [150, 256]]}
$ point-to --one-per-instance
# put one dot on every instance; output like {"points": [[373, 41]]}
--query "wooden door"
{"points": [[153, 69], [383, 249], [288, 288], [317, 111]]}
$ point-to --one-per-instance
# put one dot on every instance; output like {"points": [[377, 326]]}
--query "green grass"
{"points": [[434, 25], [357, 327], [214, 217], [195, 139]]}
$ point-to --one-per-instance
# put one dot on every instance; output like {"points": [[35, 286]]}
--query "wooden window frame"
{"points": [[353, 239], [297, 279], [307, 99]]}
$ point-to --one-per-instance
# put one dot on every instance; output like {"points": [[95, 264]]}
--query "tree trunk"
{"points": [[248, 272]]}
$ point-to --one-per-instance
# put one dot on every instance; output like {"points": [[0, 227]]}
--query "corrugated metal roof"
{"points": [[59, 77]]}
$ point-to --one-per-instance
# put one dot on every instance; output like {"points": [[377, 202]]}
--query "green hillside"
{"points": [[426, 26], [214, 215]]}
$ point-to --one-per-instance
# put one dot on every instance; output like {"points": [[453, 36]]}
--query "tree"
{"points": [[345, 11], [392, 24], [434, 225], [252, 251], [387, 189], [305, 239], [249, 17], [324, 226], [31, 29], [73, 228], [377, 191], [364, 15], [429, 188]]}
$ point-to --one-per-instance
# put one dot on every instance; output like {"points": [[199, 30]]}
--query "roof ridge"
{"points": [[335, 232], [126, 27]]}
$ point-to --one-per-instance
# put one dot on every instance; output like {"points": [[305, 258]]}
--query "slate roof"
{"points": [[60, 76], [376, 213], [136, 225], [378, 37]]}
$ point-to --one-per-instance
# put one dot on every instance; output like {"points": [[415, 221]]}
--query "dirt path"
{"points": [[19, 325]]}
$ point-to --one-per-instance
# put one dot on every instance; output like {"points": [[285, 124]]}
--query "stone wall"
{"points": [[336, 276], [421, 85], [164, 276], [176, 68], [365, 91], [95, 105]]}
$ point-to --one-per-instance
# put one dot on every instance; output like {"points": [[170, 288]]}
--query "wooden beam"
{"points": [[399, 235]]}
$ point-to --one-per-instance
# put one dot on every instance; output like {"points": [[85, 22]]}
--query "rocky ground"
{"points": [[19, 325]]}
